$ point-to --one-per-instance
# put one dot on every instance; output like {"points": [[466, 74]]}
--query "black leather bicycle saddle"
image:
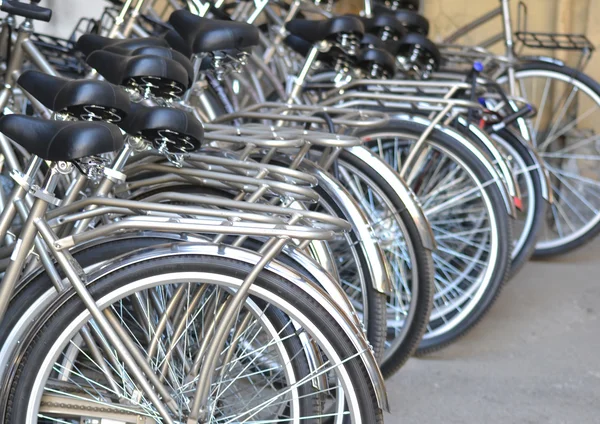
{"points": [[61, 140], [165, 52], [383, 59], [178, 131], [410, 40], [89, 43], [405, 4], [83, 99], [299, 45], [315, 31], [383, 22], [159, 76], [178, 43], [373, 41], [207, 35], [411, 20]]}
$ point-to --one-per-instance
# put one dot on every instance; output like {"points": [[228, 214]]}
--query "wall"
{"points": [[66, 14]]}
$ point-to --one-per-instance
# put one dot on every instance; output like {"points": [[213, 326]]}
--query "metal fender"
{"points": [[410, 201], [473, 148], [354, 333], [328, 299], [498, 159], [360, 224], [537, 160]]}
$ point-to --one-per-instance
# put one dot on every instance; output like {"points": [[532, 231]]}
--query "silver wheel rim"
{"points": [[525, 181], [341, 381], [449, 312], [390, 232], [575, 185]]}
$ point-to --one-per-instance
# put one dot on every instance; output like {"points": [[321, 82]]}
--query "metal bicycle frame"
{"points": [[444, 106], [259, 226]]}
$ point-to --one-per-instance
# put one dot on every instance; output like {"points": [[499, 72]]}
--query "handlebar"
{"points": [[26, 10]]}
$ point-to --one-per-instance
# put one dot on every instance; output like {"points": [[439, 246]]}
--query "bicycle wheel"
{"points": [[352, 261], [565, 135], [265, 373], [471, 226], [411, 263]]}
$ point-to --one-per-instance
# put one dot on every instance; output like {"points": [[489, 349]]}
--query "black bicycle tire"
{"points": [[424, 263], [502, 267], [71, 306], [575, 74]]}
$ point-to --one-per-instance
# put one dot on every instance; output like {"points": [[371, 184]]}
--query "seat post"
{"points": [[299, 81], [106, 185], [196, 64]]}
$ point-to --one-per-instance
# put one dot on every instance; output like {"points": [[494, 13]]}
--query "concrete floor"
{"points": [[535, 358]]}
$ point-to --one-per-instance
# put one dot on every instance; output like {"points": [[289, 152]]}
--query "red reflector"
{"points": [[518, 203]]}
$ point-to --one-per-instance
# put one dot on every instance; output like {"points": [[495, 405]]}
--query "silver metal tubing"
{"points": [[18, 193], [120, 19], [282, 33], [361, 225], [273, 142], [4, 32], [340, 116], [178, 331], [139, 206], [400, 83], [197, 226], [74, 190], [231, 209], [41, 250], [259, 7], [508, 40], [316, 217], [100, 359], [107, 184], [301, 78], [37, 105], [131, 357], [138, 31], [38, 59], [368, 9], [132, 18], [223, 177], [209, 330], [274, 170], [492, 40], [475, 150], [17, 56], [416, 150], [400, 98], [200, 406]]}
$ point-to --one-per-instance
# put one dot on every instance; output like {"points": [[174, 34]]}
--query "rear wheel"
{"points": [[352, 262], [467, 213], [411, 263], [285, 358], [565, 133], [530, 214]]}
